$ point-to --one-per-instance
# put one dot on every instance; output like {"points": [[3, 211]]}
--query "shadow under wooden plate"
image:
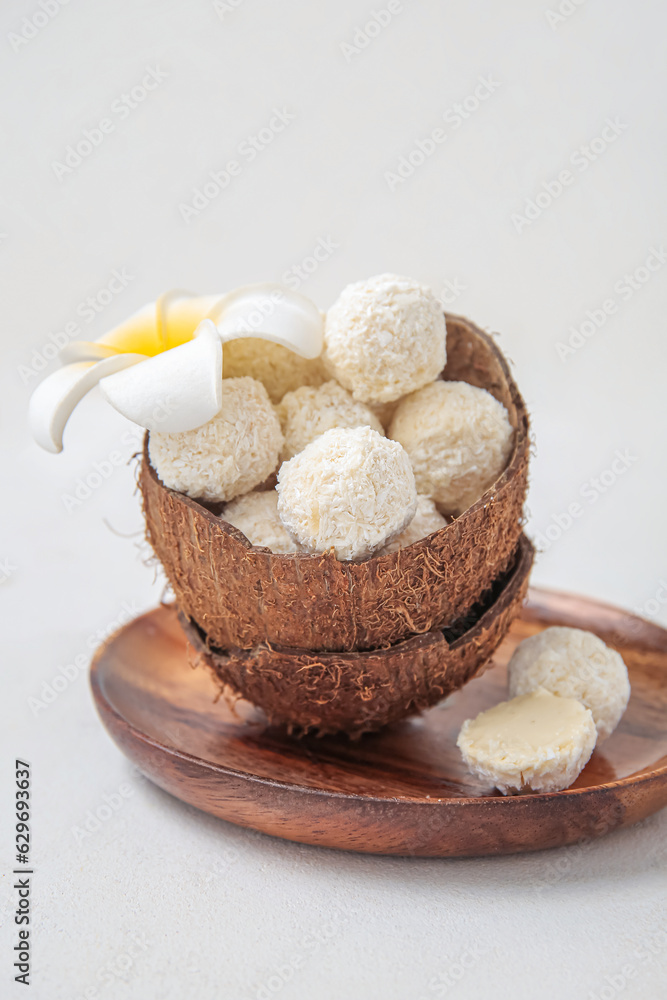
{"points": [[403, 790]]}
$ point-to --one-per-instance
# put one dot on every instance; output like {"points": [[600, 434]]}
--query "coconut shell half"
{"points": [[361, 692], [242, 595]]}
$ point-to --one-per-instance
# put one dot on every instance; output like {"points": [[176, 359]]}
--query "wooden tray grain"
{"points": [[402, 791]]}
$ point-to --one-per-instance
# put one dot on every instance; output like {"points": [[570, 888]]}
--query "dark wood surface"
{"points": [[402, 791]]}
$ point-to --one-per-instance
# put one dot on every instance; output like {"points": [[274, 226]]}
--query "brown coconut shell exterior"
{"points": [[242, 595], [358, 692]]}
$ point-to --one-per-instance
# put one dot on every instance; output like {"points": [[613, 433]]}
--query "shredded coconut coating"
{"points": [[537, 742], [307, 412], [350, 490], [427, 519], [573, 663], [256, 515], [234, 452], [385, 337], [277, 368], [459, 439]]}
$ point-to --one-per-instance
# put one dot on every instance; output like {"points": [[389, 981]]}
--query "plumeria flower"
{"points": [[162, 368]]}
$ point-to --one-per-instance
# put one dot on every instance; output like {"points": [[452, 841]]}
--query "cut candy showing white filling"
{"points": [[537, 742]]}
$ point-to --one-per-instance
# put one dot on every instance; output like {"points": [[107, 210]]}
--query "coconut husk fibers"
{"points": [[357, 692], [242, 595]]}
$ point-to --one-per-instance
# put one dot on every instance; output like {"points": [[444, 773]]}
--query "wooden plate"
{"points": [[402, 791]]}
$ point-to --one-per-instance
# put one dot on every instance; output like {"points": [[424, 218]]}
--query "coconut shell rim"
{"points": [[513, 580], [351, 694]]}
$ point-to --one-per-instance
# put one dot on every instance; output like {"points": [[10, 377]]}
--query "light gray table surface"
{"points": [[161, 901]]}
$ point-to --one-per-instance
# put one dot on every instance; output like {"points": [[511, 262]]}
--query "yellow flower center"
{"points": [[170, 322]]}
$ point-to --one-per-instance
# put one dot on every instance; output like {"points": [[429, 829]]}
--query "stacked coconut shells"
{"points": [[329, 646]]}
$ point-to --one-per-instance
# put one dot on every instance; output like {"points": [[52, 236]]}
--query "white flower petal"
{"points": [[178, 390], [271, 312], [54, 399], [85, 350]]}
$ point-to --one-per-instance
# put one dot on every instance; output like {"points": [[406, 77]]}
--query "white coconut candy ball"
{"points": [[385, 337], [307, 412], [350, 490], [234, 452], [256, 515], [427, 519], [277, 368], [573, 663], [537, 742], [459, 439]]}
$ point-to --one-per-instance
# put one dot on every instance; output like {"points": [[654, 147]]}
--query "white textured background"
{"points": [[217, 911]]}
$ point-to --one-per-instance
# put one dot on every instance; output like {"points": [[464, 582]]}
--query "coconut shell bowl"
{"points": [[330, 646]]}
